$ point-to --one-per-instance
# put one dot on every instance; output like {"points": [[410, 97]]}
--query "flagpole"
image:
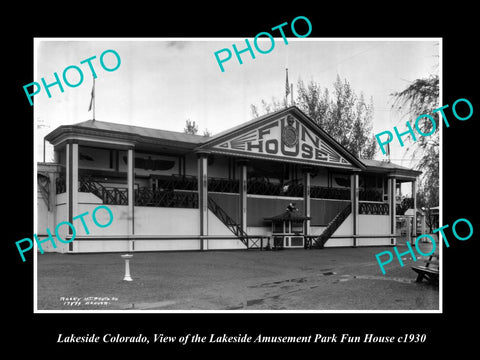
{"points": [[287, 87], [291, 95], [93, 99]]}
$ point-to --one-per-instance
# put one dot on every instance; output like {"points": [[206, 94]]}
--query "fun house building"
{"points": [[278, 181]]}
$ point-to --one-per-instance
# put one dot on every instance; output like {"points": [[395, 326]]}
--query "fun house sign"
{"points": [[285, 138]]}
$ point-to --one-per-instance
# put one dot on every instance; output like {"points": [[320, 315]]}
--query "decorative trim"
{"points": [[373, 208]]}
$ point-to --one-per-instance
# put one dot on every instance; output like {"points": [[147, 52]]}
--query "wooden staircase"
{"points": [[319, 242], [228, 221]]}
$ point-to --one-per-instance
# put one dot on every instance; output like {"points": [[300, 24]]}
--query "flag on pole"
{"points": [[92, 100], [93, 95]]}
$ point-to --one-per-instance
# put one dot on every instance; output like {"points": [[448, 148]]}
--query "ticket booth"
{"points": [[288, 228]]}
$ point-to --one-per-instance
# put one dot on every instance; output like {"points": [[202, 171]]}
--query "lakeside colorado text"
{"points": [[243, 338]]}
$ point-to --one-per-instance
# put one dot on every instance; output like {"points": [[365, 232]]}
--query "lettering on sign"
{"points": [[284, 137]]}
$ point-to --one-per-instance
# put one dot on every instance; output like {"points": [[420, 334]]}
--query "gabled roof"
{"points": [[240, 140]]}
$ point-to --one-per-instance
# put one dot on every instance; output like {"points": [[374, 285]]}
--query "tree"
{"points": [[344, 115], [423, 202], [350, 120], [421, 97], [190, 127], [273, 106]]}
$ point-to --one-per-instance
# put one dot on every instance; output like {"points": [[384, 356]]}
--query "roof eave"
{"points": [[71, 130]]}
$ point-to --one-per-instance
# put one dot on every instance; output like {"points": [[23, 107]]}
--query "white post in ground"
{"points": [[306, 201], [127, 258], [414, 220], [243, 195], [202, 166], [354, 198], [392, 202], [72, 185], [131, 198]]}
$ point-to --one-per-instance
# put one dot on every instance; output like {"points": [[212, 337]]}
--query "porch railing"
{"points": [[223, 185], [118, 195], [165, 198], [177, 182], [109, 195], [320, 192], [371, 208]]}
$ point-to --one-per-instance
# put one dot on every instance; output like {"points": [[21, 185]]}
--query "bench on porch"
{"points": [[430, 270]]}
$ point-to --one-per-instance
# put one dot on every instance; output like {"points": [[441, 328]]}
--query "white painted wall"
{"points": [[317, 230], [45, 218], [166, 245], [61, 198], [119, 225], [373, 225], [166, 221], [367, 225], [102, 246], [88, 198], [216, 227], [150, 244], [346, 228], [60, 216]]}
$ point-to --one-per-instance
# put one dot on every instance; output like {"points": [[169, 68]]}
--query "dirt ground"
{"points": [[327, 279]]}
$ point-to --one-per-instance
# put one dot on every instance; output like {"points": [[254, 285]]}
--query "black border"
{"points": [[456, 25]]}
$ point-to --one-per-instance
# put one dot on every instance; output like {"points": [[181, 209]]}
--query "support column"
{"points": [[306, 198], [202, 165], [56, 156], [131, 198], [392, 186], [243, 194], [52, 198], [354, 198], [72, 184], [414, 220]]}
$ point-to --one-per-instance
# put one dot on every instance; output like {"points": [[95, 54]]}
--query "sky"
{"points": [[162, 82]]}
